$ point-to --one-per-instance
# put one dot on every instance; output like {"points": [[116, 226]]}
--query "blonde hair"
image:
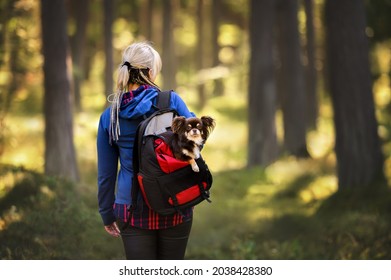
{"points": [[140, 56], [141, 64]]}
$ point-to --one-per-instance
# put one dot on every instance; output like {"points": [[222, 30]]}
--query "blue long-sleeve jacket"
{"points": [[114, 186]]}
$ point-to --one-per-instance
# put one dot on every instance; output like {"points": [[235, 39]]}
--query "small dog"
{"points": [[189, 135]]}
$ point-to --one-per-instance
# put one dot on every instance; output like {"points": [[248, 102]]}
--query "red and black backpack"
{"points": [[167, 185]]}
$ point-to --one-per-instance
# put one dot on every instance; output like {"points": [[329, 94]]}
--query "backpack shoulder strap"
{"points": [[163, 99]]}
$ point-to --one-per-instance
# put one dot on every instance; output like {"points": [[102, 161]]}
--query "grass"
{"points": [[289, 210], [258, 219], [48, 218]]}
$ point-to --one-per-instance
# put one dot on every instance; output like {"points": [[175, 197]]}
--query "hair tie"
{"points": [[127, 64]]}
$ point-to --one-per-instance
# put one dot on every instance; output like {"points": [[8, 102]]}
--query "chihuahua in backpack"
{"points": [[189, 135]]}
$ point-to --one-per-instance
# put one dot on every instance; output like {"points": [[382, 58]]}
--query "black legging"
{"points": [[162, 244]]}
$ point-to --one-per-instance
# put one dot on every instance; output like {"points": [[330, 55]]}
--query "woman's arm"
{"points": [[179, 105], [107, 171]]}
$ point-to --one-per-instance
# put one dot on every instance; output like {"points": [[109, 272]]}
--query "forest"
{"points": [[301, 94]]}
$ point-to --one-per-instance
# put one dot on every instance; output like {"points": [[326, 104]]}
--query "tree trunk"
{"points": [[7, 11], [311, 78], [78, 42], [108, 41], [262, 139], [146, 19], [60, 155], [218, 89], [168, 55], [293, 101], [200, 52], [359, 156]]}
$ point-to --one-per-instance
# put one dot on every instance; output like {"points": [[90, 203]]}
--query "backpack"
{"points": [[167, 185]]}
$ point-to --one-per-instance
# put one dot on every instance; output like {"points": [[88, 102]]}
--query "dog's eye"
{"points": [[199, 125], [189, 127]]}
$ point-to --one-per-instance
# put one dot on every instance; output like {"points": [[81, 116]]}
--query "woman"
{"points": [[148, 235]]}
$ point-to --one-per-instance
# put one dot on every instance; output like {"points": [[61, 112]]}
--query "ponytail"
{"points": [[141, 63]]}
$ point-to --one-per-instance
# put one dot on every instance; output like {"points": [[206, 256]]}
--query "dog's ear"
{"points": [[208, 124], [178, 123]]}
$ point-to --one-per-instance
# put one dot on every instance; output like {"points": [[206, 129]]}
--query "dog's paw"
{"points": [[195, 168]]}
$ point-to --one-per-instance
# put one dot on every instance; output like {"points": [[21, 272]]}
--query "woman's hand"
{"points": [[113, 230]]}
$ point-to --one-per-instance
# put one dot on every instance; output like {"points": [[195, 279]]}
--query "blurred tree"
{"points": [[18, 55], [216, 7], [378, 29], [6, 7], [310, 71], [200, 53], [234, 12], [292, 94], [60, 155], [6, 12], [168, 53], [379, 20], [94, 37], [17, 67], [359, 156], [108, 45], [80, 10], [262, 139], [146, 19]]}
